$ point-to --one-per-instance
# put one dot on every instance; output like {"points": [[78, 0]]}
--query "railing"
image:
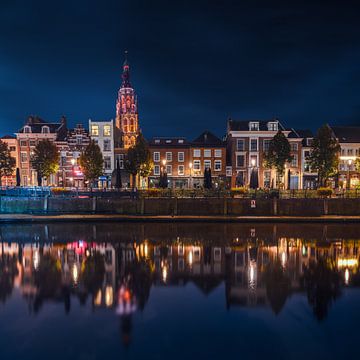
{"points": [[33, 191]]}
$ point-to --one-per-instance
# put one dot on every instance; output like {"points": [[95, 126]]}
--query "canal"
{"points": [[177, 290]]}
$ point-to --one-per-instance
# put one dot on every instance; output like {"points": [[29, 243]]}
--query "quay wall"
{"points": [[180, 206]]}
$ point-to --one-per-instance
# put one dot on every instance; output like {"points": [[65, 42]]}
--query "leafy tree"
{"points": [[7, 162], [45, 159], [91, 162], [278, 154], [324, 154], [138, 161], [357, 164]]}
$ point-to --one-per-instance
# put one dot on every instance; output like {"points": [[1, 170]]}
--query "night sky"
{"points": [[193, 63]]}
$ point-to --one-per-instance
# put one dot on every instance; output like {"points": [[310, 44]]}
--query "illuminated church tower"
{"points": [[126, 109]]}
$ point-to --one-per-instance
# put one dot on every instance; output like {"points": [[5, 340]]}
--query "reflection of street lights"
{"points": [[190, 167], [348, 181]]}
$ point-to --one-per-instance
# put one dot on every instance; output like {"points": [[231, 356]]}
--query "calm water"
{"points": [[154, 291]]}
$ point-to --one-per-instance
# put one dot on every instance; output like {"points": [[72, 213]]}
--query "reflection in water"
{"points": [[116, 268]]}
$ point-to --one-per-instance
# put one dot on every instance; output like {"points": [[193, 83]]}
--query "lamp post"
{"points": [[348, 179], [190, 167]]}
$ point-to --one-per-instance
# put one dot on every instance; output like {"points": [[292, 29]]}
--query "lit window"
{"points": [[107, 130], [181, 156], [181, 169], [197, 164], [217, 165], [169, 156], [156, 156], [197, 152], [95, 130], [218, 153], [207, 153], [157, 170]]}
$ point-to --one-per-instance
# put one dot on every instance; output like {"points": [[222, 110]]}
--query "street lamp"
{"points": [[348, 181], [190, 167]]}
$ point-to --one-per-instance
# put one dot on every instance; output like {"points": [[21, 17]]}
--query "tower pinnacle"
{"points": [[126, 73]]}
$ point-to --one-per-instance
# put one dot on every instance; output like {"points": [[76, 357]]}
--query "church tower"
{"points": [[126, 109]]}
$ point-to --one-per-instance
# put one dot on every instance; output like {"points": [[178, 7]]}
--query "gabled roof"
{"points": [[8, 137], [304, 133], [347, 134], [243, 125], [208, 139]]}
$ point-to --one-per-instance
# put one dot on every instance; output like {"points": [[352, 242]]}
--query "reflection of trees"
{"points": [[277, 285], [8, 271], [93, 273], [322, 283], [47, 280]]}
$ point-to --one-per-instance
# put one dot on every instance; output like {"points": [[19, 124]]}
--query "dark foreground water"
{"points": [[179, 291]]}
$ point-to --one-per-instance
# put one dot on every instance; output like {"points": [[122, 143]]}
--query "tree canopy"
{"points": [[278, 154], [138, 160], [45, 159], [324, 154], [7, 162], [91, 162]]}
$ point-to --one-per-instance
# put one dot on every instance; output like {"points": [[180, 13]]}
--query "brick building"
{"points": [[12, 144]]}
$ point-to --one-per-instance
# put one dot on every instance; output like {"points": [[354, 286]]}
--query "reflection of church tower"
{"points": [[126, 110]]}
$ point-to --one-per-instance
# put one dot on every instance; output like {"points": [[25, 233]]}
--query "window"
{"points": [[294, 161], [309, 142], [197, 152], [267, 178], [107, 162], [253, 160], [350, 151], [253, 144], [120, 158], [107, 130], [197, 164], [157, 141], [12, 148], [293, 146], [207, 153], [63, 161], [272, 126], [217, 165], [266, 145], [168, 141], [228, 171], [95, 130], [168, 156], [181, 141], [156, 156], [27, 129], [181, 156], [254, 126], [107, 145], [181, 169], [78, 140], [23, 143], [218, 153], [169, 169], [240, 160], [23, 157], [45, 130], [240, 145], [157, 170], [207, 164]]}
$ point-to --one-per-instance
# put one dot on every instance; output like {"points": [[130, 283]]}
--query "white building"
{"points": [[102, 132]]}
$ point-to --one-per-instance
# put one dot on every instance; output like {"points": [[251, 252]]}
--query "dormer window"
{"points": [[272, 126], [254, 126], [45, 130], [157, 141], [27, 129], [168, 141], [180, 141]]}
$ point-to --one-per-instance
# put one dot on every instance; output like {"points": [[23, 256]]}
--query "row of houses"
{"points": [[232, 158]]}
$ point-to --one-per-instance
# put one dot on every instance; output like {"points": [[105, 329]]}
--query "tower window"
{"points": [[107, 130], [95, 130]]}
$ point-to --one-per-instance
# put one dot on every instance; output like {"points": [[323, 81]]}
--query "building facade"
{"points": [[102, 132], [12, 144]]}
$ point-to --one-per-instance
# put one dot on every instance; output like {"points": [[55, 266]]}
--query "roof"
{"points": [[8, 137], [243, 125], [347, 134], [169, 142], [304, 133], [208, 139]]}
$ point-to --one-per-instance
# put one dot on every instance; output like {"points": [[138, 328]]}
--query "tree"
{"points": [[7, 162], [45, 159], [357, 164], [324, 154], [138, 161], [278, 154], [91, 162]]}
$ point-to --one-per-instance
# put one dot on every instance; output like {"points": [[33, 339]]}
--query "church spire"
{"points": [[126, 73]]}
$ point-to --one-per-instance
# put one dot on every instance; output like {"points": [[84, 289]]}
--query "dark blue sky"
{"points": [[193, 63]]}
